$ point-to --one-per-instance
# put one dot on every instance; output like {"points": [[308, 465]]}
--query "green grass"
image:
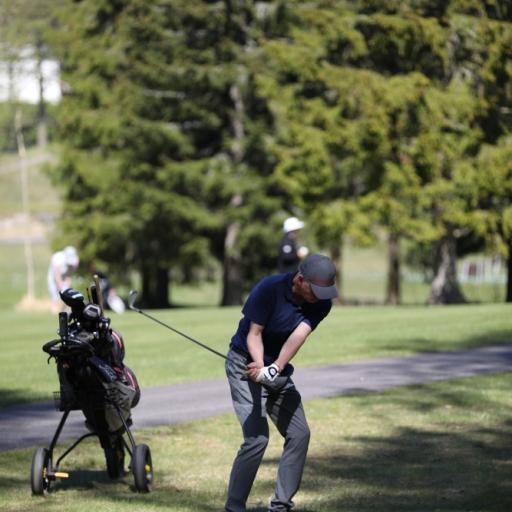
{"points": [[359, 285], [13, 280], [159, 356], [441, 447], [364, 280], [418, 449]]}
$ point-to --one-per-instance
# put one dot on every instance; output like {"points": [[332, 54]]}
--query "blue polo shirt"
{"points": [[271, 304]]}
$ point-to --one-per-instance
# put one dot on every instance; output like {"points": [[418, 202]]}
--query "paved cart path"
{"points": [[34, 425]]}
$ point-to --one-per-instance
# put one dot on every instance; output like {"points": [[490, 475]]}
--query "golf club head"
{"points": [[132, 296]]}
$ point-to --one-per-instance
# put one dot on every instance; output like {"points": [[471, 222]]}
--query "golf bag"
{"points": [[94, 379], [92, 373]]}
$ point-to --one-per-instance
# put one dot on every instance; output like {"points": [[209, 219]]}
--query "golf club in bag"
{"points": [[93, 379], [131, 304]]}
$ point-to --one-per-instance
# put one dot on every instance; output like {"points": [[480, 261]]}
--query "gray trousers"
{"points": [[252, 402]]}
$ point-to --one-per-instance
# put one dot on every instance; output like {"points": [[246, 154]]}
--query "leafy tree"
{"points": [[396, 204], [359, 136], [347, 124], [493, 86], [165, 136], [25, 33], [492, 209], [194, 124], [127, 202], [325, 141], [449, 137]]}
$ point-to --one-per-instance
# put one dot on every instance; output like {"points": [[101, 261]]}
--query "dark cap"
{"points": [[320, 272]]}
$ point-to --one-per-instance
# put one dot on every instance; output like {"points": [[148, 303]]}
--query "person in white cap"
{"points": [[289, 254], [63, 265]]}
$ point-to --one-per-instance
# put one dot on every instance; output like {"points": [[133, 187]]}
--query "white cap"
{"points": [[71, 256], [292, 224]]}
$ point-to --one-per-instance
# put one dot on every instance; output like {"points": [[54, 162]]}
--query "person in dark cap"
{"points": [[278, 316]]}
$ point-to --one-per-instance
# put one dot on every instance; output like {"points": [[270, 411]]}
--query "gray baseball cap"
{"points": [[320, 272]]}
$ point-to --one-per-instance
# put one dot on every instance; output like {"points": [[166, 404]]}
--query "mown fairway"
{"points": [[158, 356], [438, 447], [443, 447]]}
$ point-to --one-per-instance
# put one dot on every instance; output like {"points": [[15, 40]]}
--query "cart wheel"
{"points": [[142, 468], [114, 456], [39, 480]]}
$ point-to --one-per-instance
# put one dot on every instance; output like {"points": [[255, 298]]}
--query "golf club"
{"points": [[131, 304]]}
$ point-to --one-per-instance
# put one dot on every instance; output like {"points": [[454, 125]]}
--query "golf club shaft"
{"points": [[180, 333]]}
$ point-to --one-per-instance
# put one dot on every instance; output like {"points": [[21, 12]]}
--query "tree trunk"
{"points": [[508, 297], [25, 199], [232, 265], [336, 253], [155, 287], [11, 82], [42, 122], [445, 287], [232, 289], [393, 292]]}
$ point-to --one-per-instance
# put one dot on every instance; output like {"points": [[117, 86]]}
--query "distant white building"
{"points": [[23, 81]]}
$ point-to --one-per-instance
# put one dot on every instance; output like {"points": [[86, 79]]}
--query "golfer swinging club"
{"points": [[280, 313]]}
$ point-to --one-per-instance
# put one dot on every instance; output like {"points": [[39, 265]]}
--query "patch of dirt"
{"points": [[31, 304], [20, 226]]}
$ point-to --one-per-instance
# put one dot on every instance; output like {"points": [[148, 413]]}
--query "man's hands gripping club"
{"points": [[256, 370], [263, 374]]}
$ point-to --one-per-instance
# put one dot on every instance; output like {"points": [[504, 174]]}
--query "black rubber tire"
{"points": [[114, 456], [142, 468], [39, 472]]}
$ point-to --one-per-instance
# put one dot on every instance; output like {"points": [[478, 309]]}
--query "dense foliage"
{"points": [[24, 40], [192, 128], [398, 101], [166, 136]]}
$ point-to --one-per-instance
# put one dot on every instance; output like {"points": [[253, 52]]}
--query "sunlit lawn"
{"points": [[159, 356], [440, 447], [445, 446]]}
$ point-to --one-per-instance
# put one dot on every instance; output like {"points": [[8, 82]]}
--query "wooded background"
{"points": [[188, 130]]}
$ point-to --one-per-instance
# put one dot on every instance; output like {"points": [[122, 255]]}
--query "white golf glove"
{"points": [[268, 374]]}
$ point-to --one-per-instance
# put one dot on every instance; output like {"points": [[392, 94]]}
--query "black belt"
{"points": [[240, 351]]}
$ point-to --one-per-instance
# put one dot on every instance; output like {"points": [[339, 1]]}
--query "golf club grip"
{"points": [[99, 295]]}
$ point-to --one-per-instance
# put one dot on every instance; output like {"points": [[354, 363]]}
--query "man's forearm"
{"points": [[292, 345], [255, 347], [289, 349]]}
